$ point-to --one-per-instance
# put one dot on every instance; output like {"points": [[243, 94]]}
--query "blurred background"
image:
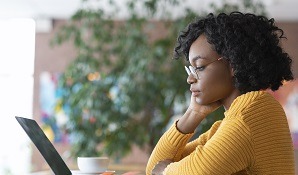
{"points": [[98, 77]]}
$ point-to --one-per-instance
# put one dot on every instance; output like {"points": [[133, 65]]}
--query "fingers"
{"points": [[205, 109]]}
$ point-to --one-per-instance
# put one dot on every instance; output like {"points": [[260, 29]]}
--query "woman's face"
{"points": [[214, 81]]}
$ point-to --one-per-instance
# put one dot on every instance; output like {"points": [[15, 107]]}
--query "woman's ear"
{"points": [[230, 67], [232, 72]]}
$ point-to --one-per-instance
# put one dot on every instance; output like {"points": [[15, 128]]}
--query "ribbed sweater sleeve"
{"points": [[169, 146], [190, 147], [228, 151]]}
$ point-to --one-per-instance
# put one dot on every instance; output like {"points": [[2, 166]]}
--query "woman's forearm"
{"points": [[189, 121]]}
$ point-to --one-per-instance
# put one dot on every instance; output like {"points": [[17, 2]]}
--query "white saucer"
{"points": [[74, 172]]}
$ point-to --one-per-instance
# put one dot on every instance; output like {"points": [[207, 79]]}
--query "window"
{"points": [[17, 44]]}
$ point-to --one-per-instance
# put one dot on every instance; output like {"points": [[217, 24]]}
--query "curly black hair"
{"points": [[250, 43]]}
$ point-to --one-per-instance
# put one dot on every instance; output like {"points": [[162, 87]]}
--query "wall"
{"points": [[56, 59], [291, 43]]}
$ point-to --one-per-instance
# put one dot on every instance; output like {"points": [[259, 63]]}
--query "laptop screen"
{"points": [[44, 146]]}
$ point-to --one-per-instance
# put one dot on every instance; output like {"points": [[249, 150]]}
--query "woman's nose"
{"points": [[191, 79]]}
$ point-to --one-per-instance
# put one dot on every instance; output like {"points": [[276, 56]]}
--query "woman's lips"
{"points": [[195, 93]]}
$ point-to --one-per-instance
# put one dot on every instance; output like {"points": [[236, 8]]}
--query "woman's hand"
{"points": [[202, 110], [160, 167], [194, 115]]}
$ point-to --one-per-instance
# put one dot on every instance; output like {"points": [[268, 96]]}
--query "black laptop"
{"points": [[44, 146]]}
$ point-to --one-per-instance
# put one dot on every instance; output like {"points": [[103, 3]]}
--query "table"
{"points": [[51, 173], [121, 169]]}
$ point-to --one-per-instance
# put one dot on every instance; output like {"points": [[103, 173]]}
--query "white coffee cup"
{"points": [[93, 164]]}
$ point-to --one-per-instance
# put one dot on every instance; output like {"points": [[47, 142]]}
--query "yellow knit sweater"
{"points": [[253, 138]]}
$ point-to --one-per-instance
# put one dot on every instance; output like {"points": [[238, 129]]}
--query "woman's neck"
{"points": [[229, 100]]}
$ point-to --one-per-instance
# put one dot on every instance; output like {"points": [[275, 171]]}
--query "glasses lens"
{"points": [[187, 70], [192, 70]]}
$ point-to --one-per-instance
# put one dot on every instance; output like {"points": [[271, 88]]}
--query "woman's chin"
{"points": [[200, 101]]}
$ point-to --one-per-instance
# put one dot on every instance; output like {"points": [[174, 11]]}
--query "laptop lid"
{"points": [[44, 146]]}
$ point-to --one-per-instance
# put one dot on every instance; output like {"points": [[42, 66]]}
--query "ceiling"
{"points": [[43, 10]]}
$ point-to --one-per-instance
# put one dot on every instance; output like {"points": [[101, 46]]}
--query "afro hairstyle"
{"points": [[250, 43]]}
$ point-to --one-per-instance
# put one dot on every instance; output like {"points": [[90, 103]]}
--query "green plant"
{"points": [[123, 87]]}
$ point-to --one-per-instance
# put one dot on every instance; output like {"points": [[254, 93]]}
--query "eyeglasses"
{"points": [[193, 71]]}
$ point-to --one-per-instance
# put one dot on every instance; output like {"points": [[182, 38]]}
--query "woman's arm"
{"points": [[171, 145], [191, 146], [229, 150]]}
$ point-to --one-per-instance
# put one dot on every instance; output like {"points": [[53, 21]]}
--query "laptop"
{"points": [[44, 146]]}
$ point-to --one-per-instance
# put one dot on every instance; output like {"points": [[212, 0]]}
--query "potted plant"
{"points": [[124, 87]]}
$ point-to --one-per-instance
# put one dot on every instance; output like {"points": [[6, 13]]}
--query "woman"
{"points": [[233, 59]]}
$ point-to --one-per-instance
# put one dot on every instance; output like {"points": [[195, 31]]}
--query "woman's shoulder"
{"points": [[253, 104], [263, 110], [248, 102], [262, 101]]}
